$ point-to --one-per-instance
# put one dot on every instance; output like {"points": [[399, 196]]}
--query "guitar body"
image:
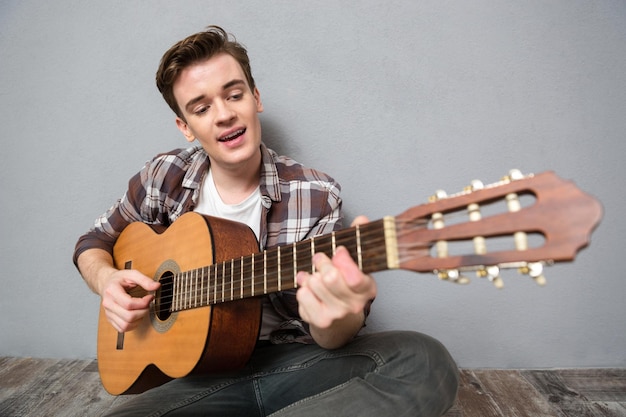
{"points": [[169, 345]]}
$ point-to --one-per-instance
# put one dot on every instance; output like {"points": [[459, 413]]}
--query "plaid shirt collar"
{"points": [[269, 181]]}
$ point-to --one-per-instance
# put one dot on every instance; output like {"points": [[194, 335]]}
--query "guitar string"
{"points": [[406, 251], [191, 293], [224, 288], [417, 249], [323, 244], [378, 264]]}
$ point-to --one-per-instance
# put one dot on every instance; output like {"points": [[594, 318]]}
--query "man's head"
{"points": [[193, 49]]}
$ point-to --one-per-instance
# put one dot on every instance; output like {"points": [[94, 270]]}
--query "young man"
{"points": [[309, 360]]}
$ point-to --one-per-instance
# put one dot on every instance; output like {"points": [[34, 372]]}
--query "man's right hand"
{"points": [[122, 310]]}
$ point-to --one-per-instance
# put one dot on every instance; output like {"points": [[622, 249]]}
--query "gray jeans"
{"points": [[384, 374]]}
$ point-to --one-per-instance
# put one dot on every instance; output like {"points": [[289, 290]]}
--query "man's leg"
{"points": [[384, 374], [393, 373]]}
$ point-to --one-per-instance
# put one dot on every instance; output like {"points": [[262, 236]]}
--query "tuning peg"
{"points": [[475, 185], [454, 276], [535, 271], [514, 175], [439, 195], [493, 274]]}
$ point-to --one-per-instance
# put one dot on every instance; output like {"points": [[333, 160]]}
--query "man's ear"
{"points": [[257, 98], [184, 128]]}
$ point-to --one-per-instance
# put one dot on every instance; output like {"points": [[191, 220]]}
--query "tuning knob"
{"points": [[493, 274], [514, 175], [454, 276], [497, 282], [535, 271], [439, 195]]}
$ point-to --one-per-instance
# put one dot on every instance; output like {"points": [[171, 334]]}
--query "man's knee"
{"points": [[418, 357]]}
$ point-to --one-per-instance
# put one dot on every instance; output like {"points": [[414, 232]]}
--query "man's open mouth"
{"points": [[232, 136]]}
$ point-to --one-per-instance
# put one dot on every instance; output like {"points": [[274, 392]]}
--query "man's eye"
{"points": [[236, 96], [201, 110]]}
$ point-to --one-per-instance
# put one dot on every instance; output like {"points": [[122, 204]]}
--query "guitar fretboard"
{"points": [[372, 246]]}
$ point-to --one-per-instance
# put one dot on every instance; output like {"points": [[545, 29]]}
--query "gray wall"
{"points": [[395, 99]]}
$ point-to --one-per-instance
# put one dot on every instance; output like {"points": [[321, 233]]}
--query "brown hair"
{"points": [[198, 47]]}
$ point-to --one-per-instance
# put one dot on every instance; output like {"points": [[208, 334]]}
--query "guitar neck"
{"points": [[373, 246]]}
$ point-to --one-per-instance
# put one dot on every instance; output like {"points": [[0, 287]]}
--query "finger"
{"points": [[307, 303], [136, 303], [122, 324], [359, 220], [134, 277], [340, 279], [318, 311], [355, 279], [324, 266], [116, 295], [124, 317]]}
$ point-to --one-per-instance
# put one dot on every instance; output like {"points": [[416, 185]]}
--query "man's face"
{"points": [[220, 111]]}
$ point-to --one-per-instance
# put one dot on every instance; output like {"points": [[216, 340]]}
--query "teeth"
{"points": [[232, 135]]}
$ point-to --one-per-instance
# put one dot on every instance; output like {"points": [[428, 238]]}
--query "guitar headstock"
{"points": [[521, 222]]}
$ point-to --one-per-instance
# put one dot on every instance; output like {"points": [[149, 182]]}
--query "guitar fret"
{"points": [[391, 242], [173, 307], [232, 271], [207, 279], [359, 253], [215, 285], [195, 288], [189, 292], [201, 276], [181, 289], [241, 283], [182, 292], [175, 293], [198, 287], [187, 299], [198, 274], [189, 289], [209, 286], [185, 291], [252, 282], [223, 278]]}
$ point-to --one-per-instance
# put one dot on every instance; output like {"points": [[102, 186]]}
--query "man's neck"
{"points": [[236, 184]]}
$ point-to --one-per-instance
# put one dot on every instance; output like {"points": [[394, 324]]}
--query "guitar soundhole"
{"points": [[163, 299]]}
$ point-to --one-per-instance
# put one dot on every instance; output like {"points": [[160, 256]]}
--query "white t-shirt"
{"points": [[249, 212]]}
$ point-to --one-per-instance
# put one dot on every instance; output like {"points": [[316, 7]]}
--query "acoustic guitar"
{"points": [[206, 315]]}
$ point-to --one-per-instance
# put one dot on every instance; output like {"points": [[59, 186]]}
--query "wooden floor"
{"points": [[53, 387]]}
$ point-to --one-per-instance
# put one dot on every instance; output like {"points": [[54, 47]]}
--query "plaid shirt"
{"points": [[298, 203]]}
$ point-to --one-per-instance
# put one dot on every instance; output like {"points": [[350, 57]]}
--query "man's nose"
{"points": [[224, 112]]}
